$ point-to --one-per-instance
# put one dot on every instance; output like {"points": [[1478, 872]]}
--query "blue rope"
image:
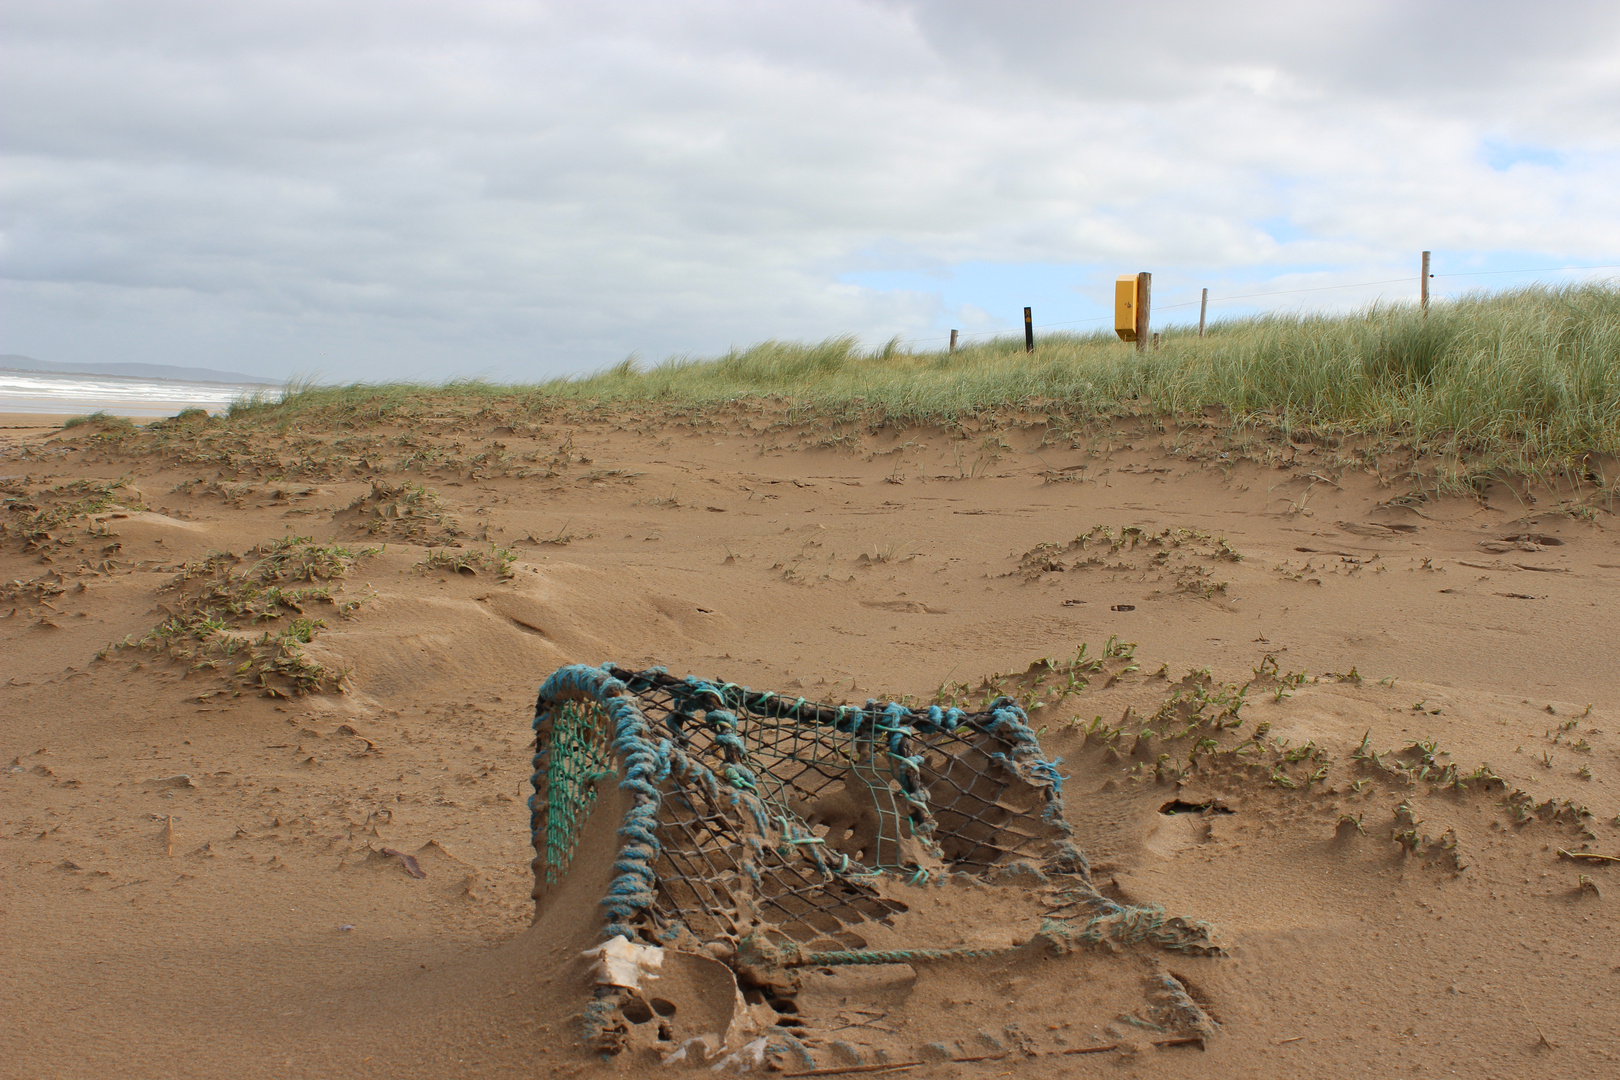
{"points": [[646, 763], [632, 890]]}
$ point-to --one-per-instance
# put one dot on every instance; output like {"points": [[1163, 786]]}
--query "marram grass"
{"points": [[1527, 379]]}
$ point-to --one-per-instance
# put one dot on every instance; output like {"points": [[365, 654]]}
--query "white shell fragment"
{"points": [[621, 962]]}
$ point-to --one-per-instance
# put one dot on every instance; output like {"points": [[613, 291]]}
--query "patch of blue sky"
{"points": [[1503, 155], [1259, 288], [982, 298], [1460, 272], [1283, 230], [1262, 288]]}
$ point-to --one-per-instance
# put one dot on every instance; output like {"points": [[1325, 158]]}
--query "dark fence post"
{"points": [[1144, 309]]}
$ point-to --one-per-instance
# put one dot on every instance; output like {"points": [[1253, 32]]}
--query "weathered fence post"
{"points": [[1144, 309]]}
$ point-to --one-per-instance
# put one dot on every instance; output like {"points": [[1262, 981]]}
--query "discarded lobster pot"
{"points": [[759, 836]]}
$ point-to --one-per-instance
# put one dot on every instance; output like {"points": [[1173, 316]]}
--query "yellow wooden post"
{"points": [[1125, 307], [1132, 307]]}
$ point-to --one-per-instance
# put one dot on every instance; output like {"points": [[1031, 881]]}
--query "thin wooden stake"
{"points": [[1423, 291], [1155, 341], [1144, 309], [1203, 309], [953, 341], [168, 834], [1029, 331]]}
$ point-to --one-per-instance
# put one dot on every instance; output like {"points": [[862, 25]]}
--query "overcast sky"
{"points": [[369, 190]]}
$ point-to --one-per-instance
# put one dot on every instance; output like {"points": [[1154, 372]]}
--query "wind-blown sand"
{"points": [[195, 883]]}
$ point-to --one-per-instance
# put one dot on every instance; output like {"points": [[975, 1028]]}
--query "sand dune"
{"points": [[203, 880]]}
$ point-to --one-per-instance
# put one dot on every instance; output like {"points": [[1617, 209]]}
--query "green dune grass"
{"points": [[1527, 379]]}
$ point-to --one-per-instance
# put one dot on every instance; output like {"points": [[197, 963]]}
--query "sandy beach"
{"points": [[203, 879]]}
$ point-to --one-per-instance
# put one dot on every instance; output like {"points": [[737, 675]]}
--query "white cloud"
{"points": [[376, 189]]}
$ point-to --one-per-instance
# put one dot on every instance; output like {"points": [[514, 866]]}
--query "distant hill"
{"points": [[14, 362]]}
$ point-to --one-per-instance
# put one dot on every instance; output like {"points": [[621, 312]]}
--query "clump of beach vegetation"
{"points": [[251, 623]]}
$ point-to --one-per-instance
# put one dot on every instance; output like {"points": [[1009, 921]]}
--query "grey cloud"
{"points": [[1382, 48], [413, 188]]}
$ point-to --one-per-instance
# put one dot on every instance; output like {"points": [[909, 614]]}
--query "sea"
{"points": [[74, 394]]}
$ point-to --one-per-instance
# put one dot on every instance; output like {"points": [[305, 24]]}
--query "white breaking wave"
{"points": [[38, 392]]}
